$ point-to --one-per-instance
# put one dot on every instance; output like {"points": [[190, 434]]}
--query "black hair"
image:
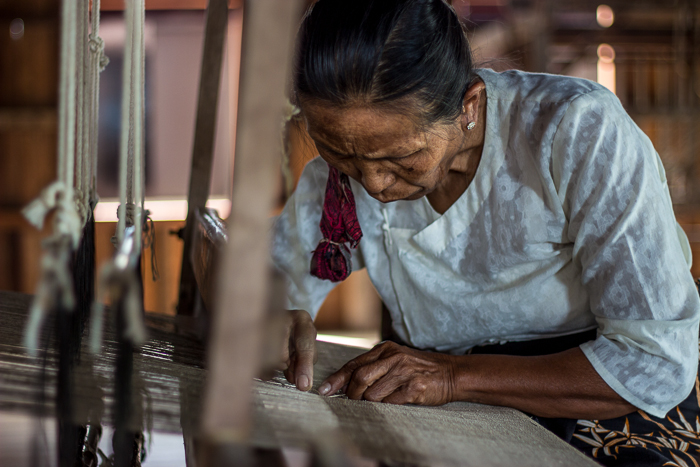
{"points": [[378, 52]]}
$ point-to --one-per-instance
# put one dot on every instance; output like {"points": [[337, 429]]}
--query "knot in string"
{"points": [[97, 47], [66, 219], [130, 209], [36, 211], [339, 226], [149, 235]]}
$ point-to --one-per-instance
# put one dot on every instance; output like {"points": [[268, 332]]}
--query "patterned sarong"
{"points": [[634, 440], [641, 440]]}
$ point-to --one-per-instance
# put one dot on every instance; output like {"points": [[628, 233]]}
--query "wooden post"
{"points": [[203, 147], [235, 341]]}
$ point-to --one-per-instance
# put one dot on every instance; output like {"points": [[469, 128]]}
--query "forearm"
{"points": [[560, 385]]}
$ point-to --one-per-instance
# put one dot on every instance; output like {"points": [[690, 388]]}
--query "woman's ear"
{"points": [[470, 104]]}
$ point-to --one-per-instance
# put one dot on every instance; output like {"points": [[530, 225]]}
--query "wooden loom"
{"points": [[239, 421]]}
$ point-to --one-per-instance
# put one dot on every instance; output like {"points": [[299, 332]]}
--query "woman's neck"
{"points": [[463, 166]]}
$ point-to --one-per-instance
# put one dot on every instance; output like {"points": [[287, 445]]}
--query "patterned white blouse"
{"points": [[567, 226]]}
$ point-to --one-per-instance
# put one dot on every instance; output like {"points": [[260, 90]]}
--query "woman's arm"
{"points": [[559, 385]]}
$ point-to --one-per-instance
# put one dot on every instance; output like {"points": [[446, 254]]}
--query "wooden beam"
{"points": [[209, 242], [235, 343], [118, 5], [203, 147]]}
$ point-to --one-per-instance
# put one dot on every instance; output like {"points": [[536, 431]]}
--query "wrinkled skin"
{"points": [[299, 354], [397, 375]]}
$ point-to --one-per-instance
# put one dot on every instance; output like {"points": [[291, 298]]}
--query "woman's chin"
{"points": [[391, 197]]}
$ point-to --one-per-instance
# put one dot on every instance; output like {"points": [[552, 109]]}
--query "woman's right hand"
{"points": [[299, 353]]}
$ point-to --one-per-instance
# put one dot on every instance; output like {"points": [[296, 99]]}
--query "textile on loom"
{"points": [[168, 378]]}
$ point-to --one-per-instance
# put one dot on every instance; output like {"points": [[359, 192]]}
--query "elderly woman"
{"points": [[517, 226]]}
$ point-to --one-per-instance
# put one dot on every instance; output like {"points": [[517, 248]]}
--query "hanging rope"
{"points": [[98, 62], [73, 195], [119, 280], [55, 283]]}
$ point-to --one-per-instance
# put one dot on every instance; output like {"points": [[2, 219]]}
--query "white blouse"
{"points": [[567, 226]]}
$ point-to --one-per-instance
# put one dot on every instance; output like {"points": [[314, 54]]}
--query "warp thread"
{"points": [[339, 226]]}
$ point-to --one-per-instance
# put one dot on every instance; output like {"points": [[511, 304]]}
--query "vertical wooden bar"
{"points": [[235, 339], [204, 134]]}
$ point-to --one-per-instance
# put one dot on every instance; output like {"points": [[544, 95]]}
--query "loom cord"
{"points": [[73, 195], [131, 161]]}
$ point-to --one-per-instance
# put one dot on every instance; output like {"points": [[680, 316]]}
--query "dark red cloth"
{"points": [[339, 226]]}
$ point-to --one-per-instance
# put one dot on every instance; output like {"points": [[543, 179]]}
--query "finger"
{"points": [[342, 377], [399, 397], [305, 356], [384, 387], [365, 376]]}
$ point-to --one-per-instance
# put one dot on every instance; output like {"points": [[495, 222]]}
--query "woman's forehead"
{"points": [[362, 130]]}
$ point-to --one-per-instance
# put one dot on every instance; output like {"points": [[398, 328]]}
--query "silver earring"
{"points": [[471, 125]]}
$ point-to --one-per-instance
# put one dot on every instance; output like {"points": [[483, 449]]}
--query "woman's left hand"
{"points": [[395, 374]]}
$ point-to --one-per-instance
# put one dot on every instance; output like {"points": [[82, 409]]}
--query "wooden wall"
{"points": [[28, 123], [28, 129]]}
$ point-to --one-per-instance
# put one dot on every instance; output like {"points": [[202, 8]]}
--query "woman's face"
{"points": [[386, 152]]}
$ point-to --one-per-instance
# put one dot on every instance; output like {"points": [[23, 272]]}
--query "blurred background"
{"points": [[645, 51]]}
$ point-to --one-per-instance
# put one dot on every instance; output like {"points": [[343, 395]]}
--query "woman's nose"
{"points": [[375, 180]]}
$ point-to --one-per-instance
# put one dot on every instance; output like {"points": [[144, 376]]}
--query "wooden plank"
{"points": [[235, 337], [118, 5], [203, 147]]}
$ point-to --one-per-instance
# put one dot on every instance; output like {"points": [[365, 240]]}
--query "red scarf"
{"points": [[339, 225]]}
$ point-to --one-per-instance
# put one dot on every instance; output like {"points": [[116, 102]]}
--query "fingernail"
{"points": [[303, 382], [323, 390]]}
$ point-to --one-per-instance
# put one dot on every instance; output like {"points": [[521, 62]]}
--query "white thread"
{"points": [[139, 165], [75, 166], [80, 98], [98, 62], [128, 159], [116, 278]]}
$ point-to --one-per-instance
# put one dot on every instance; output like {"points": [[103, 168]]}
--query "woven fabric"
{"points": [[168, 383], [339, 226]]}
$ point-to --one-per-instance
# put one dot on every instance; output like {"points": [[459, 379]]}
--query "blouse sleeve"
{"points": [[634, 258], [296, 234]]}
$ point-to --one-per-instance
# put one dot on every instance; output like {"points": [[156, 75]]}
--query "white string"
{"points": [[98, 62], [139, 166], [119, 282], [55, 283], [125, 119], [80, 102], [131, 161]]}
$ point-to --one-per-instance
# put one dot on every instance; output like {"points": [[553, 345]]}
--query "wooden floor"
{"points": [[168, 378]]}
